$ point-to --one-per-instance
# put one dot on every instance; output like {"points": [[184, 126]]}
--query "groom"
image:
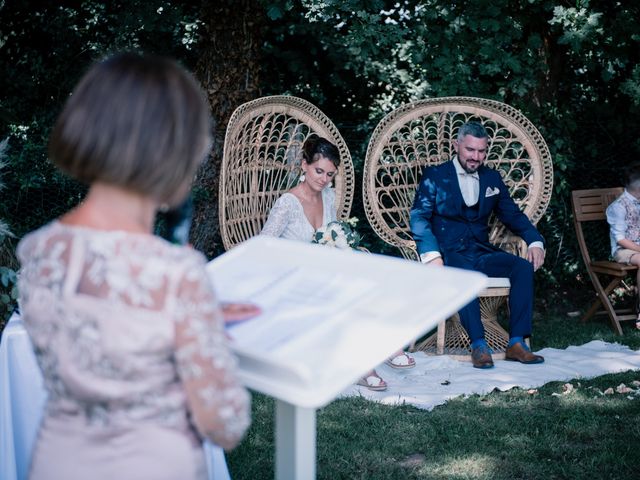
{"points": [[449, 222]]}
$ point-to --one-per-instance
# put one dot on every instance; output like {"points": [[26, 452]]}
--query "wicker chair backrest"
{"points": [[262, 159]]}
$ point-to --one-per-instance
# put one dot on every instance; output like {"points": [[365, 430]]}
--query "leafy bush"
{"points": [[8, 277], [571, 68]]}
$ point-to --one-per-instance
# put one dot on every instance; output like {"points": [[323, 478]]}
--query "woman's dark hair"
{"points": [[315, 147], [139, 122]]}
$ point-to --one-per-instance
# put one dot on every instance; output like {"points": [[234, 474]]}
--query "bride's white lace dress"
{"points": [[131, 343], [287, 219]]}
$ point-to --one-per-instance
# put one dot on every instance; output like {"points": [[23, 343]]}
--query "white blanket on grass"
{"points": [[436, 379]]}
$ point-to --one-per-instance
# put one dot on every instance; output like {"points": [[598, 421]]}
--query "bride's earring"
{"points": [[301, 178]]}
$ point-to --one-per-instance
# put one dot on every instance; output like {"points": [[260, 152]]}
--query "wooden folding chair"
{"points": [[420, 134], [591, 206], [262, 158]]}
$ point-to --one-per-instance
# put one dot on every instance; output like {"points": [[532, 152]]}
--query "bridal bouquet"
{"points": [[339, 234]]}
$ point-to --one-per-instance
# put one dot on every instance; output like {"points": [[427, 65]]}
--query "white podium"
{"points": [[329, 316]]}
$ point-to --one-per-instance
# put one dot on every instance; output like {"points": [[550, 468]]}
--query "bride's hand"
{"points": [[237, 312]]}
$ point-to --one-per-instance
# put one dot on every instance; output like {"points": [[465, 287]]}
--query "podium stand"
{"points": [[329, 316]]}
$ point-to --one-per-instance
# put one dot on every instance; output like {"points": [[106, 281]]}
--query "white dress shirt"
{"points": [[469, 183]]}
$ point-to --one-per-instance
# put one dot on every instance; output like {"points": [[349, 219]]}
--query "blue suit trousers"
{"points": [[497, 264]]}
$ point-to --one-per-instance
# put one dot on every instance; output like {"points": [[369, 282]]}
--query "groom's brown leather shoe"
{"points": [[518, 353], [481, 357]]}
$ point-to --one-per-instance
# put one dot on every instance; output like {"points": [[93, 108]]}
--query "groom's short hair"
{"points": [[474, 129]]}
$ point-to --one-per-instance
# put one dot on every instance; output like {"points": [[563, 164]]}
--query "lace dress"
{"points": [[287, 218], [132, 348]]}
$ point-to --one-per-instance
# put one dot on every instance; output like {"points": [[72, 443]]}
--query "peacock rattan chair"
{"points": [[422, 133], [262, 158]]}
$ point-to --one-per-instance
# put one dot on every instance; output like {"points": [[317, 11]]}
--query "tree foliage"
{"points": [[228, 67], [45, 47], [570, 66]]}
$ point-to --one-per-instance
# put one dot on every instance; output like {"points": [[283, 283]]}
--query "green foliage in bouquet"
{"points": [[338, 234]]}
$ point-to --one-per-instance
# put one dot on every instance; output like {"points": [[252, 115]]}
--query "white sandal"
{"points": [[373, 382], [401, 361]]}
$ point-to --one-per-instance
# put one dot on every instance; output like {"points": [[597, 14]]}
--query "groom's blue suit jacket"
{"points": [[441, 222]]}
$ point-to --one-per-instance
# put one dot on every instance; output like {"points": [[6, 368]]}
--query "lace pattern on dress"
{"points": [[287, 219], [126, 328], [632, 218]]}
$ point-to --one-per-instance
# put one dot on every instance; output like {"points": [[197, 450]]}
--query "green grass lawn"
{"points": [[546, 434]]}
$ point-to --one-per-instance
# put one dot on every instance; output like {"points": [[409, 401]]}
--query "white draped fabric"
{"points": [[22, 400], [436, 379]]}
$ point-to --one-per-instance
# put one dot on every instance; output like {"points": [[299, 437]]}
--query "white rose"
{"points": [[341, 242]]}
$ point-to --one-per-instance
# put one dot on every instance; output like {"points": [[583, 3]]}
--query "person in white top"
{"points": [[126, 327], [310, 205], [623, 216]]}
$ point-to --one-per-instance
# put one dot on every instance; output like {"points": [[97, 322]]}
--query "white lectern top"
{"points": [[329, 315]]}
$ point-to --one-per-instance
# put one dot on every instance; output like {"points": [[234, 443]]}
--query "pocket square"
{"points": [[491, 192]]}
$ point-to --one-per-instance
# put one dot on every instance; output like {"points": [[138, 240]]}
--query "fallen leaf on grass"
{"points": [[567, 388], [622, 388], [414, 460]]}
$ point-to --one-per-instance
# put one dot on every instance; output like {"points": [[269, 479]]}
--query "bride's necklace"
{"points": [[307, 198]]}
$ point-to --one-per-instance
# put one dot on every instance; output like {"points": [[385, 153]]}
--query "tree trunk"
{"points": [[228, 69]]}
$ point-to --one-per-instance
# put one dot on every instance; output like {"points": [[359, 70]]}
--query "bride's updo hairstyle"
{"points": [[315, 147], [139, 122]]}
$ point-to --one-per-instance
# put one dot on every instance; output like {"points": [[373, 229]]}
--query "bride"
{"points": [[310, 205]]}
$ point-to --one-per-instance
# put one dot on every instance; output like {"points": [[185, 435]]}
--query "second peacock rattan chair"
{"points": [[421, 134], [262, 159]]}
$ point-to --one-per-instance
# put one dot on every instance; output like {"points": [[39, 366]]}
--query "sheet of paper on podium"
{"points": [[329, 315]]}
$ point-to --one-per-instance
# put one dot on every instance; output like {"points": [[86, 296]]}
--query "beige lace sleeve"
{"points": [[219, 404], [280, 216]]}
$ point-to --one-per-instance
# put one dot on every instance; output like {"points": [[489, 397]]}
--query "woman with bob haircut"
{"points": [[126, 327]]}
